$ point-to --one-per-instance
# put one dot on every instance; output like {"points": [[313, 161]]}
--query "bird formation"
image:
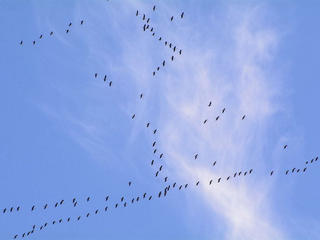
{"points": [[51, 33], [124, 201]]}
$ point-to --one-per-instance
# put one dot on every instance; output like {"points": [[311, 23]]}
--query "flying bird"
{"points": [[137, 13], [148, 124], [21, 42], [154, 131], [153, 144], [157, 173], [148, 20], [228, 178], [161, 155], [154, 8], [56, 205], [141, 95], [182, 14], [68, 220], [122, 198], [105, 209], [88, 199], [144, 195], [239, 173], [129, 184], [214, 163], [160, 168], [180, 187], [96, 212], [81, 22], [180, 52], [196, 156], [219, 179], [105, 78], [154, 73], [185, 186], [110, 83], [154, 151], [209, 105], [172, 58], [285, 146], [304, 169], [144, 17], [165, 179], [79, 218], [70, 24], [163, 63], [88, 214], [217, 118], [171, 18], [67, 31], [287, 172], [96, 75], [34, 42], [223, 110], [174, 49], [165, 43], [271, 173], [18, 208], [159, 38], [250, 171], [33, 207], [40, 36], [204, 122], [107, 197], [152, 162], [293, 169], [159, 195], [150, 197], [51, 33], [4, 210], [197, 183], [243, 117], [133, 116]]}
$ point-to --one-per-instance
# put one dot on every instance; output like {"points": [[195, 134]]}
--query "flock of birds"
{"points": [[124, 201]]}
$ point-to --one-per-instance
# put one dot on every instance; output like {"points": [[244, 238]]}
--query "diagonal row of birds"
{"points": [[51, 33]]}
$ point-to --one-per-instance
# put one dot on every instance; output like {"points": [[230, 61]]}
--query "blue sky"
{"points": [[66, 134]]}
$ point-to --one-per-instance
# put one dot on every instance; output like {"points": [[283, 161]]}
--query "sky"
{"points": [[65, 134]]}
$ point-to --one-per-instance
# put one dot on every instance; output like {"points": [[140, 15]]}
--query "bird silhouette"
{"points": [[239, 173], [141, 95], [154, 8], [171, 18], [81, 22], [223, 110], [70, 24], [96, 212], [105, 209], [172, 58], [68, 220], [21, 42], [228, 178], [271, 173], [88, 214], [96, 75], [129, 184], [157, 173], [148, 124], [88, 199], [182, 14], [180, 52], [197, 183], [185, 186], [56, 205], [137, 13], [165, 43], [174, 49], [243, 117], [107, 197], [144, 17], [250, 171], [122, 198], [219, 179], [40, 36], [150, 197], [304, 169], [196, 156], [148, 20], [105, 78], [234, 175], [163, 63], [61, 202], [154, 73], [133, 116], [154, 131], [4, 210], [144, 195], [204, 122], [51, 33], [209, 105], [160, 168], [285, 146], [79, 218], [160, 39], [165, 179], [159, 195], [18, 208], [173, 185], [154, 151], [217, 118], [287, 172], [60, 220], [153, 144], [180, 187], [293, 169], [33, 207], [34, 42], [210, 182], [214, 163], [110, 83], [67, 31], [152, 162], [161, 155]]}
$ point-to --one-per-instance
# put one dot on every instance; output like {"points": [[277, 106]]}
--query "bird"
{"points": [[154, 131], [67, 31], [243, 117], [239, 173], [196, 156], [68, 220], [61, 202], [60, 220], [154, 8], [41, 228], [316, 159], [197, 183], [96, 75], [285, 146], [173, 185], [214, 163], [157, 173], [159, 194], [306, 162], [153, 144], [144, 27], [110, 83], [137, 13], [154, 151], [88, 214], [148, 124], [287, 172], [11, 209], [125, 204], [219, 179], [163, 63], [204, 122], [304, 169], [245, 173], [141, 95], [70, 24], [88, 199], [137, 199], [174, 49], [79, 218], [180, 187], [18, 208], [182, 14], [159, 38], [180, 52], [129, 184], [151, 29], [105, 78], [298, 170], [116, 205], [144, 195], [40, 36], [154, 73], [161, 155], [144, 17], [271, 173], [171, 18], [53, 222], [250, 171], [75, 204], [311, 160], [293, 169], [23, 234], [122, 198], [34, 42], [172, 58], [15, 236], [107, 197], [4, 210], [165, 179], [51, 33], [148, 20], [223, 110], [217, 118], [228, 178], [33, 207], [132, 200], [56, 205], [170, 45], [105, 209], [21, 42], [234, 175], [160, 168], [152, 162], [133, 116], [165, 43], [81, 22], [150, 197], [96, 212], [209, 105], [46, 224], [185, 186]]}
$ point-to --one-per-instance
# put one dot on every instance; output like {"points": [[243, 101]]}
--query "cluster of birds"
{"points": [[51, 33], [147, 26], [125, 201]]}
